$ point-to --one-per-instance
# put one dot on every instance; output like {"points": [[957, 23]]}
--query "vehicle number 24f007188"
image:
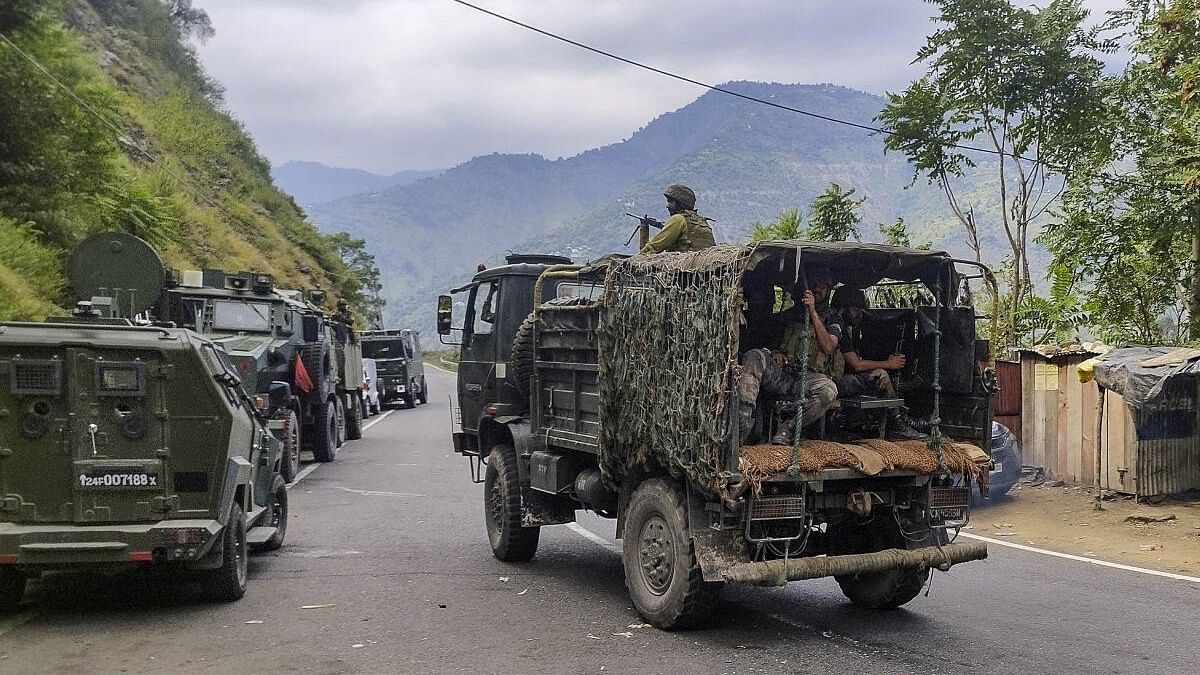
{"points": [[118, 480]]}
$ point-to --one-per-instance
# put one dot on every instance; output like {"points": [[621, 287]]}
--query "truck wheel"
{"points": [[502, 508], [325, 433], [12, 589], [424, 395], [340, 413], [880, 590], [410, 401], [354, 418], [289, 463], [277, 516], [520, 362], [228, 582], [661, 570]]}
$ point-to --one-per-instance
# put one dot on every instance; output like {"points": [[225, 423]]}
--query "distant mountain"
{"points": [[313, 183], [747, 162]]}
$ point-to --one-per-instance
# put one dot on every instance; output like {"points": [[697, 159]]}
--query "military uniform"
{"points": [[760, 374], [685, 231]]}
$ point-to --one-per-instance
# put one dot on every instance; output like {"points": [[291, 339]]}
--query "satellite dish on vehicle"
{"points": [[119, 266]]}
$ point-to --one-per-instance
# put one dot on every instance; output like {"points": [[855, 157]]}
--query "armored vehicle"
{"points": [[126, 444], [348, 383], [620, 387], [401, 371]]}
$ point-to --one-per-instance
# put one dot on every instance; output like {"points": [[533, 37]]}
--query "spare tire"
{"points": [[520, 362]]}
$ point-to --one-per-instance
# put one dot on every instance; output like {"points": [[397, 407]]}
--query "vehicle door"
{"points": [[477, 364]]}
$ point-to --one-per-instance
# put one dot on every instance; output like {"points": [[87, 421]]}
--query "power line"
{"points": [[773, 104]]}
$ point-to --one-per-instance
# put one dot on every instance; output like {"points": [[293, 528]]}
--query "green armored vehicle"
{"points": [[124, 444], [399, 368]]}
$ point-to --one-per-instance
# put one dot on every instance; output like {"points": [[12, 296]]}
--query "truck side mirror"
{"points": [[445, 307]]}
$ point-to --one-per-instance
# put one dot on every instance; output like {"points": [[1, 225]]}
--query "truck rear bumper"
{"points": [[778, 572], [57, 546]]}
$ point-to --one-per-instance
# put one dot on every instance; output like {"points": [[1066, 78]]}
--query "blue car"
{"points": [[1006, 470]]}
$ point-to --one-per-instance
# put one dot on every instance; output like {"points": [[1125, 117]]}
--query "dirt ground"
{"points": [[1063, 518]]}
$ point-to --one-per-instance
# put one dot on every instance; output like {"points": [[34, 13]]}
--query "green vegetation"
{"points": [[135, 139], [833, 216]]}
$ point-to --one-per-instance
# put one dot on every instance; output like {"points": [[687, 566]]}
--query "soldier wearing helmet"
{"points": [[685, 230]]}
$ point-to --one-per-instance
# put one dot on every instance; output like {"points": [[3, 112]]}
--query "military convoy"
{"points": [[613, 387], [132, 444]]}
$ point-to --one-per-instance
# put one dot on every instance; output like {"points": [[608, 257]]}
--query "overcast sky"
{"points": [[386, 85]]}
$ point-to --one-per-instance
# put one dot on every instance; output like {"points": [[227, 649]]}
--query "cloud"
{"points": [[388, 85]]}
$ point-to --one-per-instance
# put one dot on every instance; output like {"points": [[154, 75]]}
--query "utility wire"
{"points": [[773, 104]]}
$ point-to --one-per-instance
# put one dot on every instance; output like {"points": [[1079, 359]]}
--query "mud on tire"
{"points": [[502, 508], [661, 570]]}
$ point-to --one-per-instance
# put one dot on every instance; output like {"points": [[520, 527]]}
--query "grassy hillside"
{"points": [[156, 155]]}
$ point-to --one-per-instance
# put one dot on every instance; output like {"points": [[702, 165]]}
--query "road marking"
{"points": [[313, 467], [378, 493], [1093, 561], [377, 420], [593, 537]]}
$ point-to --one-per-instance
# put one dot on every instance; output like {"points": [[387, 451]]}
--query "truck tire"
{"points": [[325, 433], [228, 582], [354, 418], [289, 463], [424, 395], [880, 590], [410, 401], [12, 589], [340, 413], [520, 362], [316, 362], [502, 508], [661, 570], [276, 517]]}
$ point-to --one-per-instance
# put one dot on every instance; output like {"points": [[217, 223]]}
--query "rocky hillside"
{"points": [[126, 131]]}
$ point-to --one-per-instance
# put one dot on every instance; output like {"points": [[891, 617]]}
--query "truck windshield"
{"points": [[242, 315], [383, 349]]}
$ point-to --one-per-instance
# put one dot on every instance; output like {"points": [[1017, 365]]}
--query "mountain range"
{"points": [[746, 161], [313, 183]]}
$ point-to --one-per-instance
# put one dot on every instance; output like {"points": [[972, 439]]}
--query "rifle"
{"points": [[643, 228]]}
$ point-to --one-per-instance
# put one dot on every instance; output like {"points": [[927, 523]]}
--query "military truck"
{"points": [[614, 388], [348, 384], [283, 345], [401, 371], [130, 445]]}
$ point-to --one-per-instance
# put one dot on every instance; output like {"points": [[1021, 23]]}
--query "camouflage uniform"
{"points": [[686, 231], [760, 374]]}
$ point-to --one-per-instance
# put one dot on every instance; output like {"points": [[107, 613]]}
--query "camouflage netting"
{"points": [[870, 456], [681, 309]]}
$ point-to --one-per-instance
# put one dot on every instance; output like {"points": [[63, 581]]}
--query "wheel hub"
{"points": [[656, 555]]}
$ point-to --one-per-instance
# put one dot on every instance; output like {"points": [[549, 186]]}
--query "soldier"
{"points": [[768, 370], [685, 230], [864, 376], [344, 316]]}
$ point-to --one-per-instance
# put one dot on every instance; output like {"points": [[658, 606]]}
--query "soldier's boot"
{"points": [[784, 427], [900, 429]]}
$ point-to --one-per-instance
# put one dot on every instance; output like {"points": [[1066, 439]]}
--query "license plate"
{"points": [[117, 478]]}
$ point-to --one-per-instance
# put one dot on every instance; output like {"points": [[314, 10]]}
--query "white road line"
{"points": [[593, 537], [1093, 561], [313, 467]]}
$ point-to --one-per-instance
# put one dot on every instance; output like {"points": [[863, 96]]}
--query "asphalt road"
{"points": [[386, 569]]}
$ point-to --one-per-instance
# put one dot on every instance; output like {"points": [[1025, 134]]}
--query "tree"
{"points": [[1133, 241], [834, 215], [787, 226], [362, 267], [1026, 84]]}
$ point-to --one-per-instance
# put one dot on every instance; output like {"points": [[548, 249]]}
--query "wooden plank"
{"points": [[1073, 413], [1032, 422], [1089, 394]]}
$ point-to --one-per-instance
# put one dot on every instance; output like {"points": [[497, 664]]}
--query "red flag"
{"points": [[303, 382]]}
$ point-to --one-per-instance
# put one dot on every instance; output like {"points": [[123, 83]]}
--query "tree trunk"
{"points": [[1192, 301]]}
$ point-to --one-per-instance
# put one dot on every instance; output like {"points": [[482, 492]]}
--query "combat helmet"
{"points": [[682, 194]]}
